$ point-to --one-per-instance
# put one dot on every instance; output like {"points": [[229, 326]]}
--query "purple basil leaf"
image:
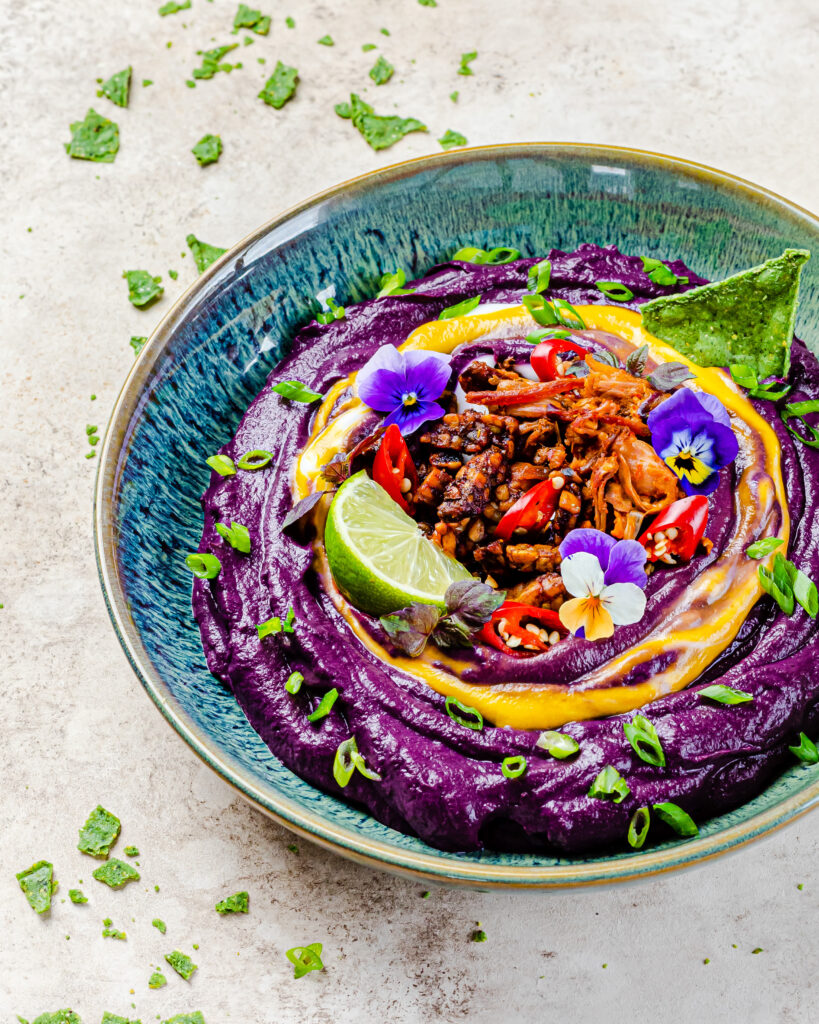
{"points": [[337, 469], [301, 508], [636, 362], [409, 628], [453, 631], [578, 369], [604, 356], [669, 376], [472, 602]]}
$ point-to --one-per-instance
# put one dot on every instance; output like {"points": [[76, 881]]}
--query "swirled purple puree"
{"points": [[439, 780]]}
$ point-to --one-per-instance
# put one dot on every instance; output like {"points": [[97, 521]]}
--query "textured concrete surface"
{"points": [[731, 84]]}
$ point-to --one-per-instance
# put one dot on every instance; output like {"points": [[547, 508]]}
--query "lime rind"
{"points": [[379, 558]]}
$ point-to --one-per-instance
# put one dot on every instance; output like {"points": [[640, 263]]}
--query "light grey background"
{"points": [[732, 84]]}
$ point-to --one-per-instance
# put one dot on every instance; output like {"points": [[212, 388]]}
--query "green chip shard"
{"points": [[117, 87], [235, 904], [746, 319], [451, 139], [172, 7], [207, 150], [159, 924], [379, 132], [58, 1017], [76, 896], [246, 17], [37, 882], [203, 254], [382, 71], [116, 873], [186, 1018], [143, 289], [212, 61], [182, 964], [137, 343], [112, 1018], [280, 87], [96, 138], [157, 979], [109, 932], [131, 851]]}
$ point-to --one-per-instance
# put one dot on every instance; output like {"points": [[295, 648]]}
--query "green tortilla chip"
{"points": [[235, 904], [280, 87], [117, 87], [182, 964], [157, 979], [116, 873], [96, 138], [246, 17], [746, 319], [76, 896], [99, 833], [37, 882], [186, 1018], [379, 132], [203, 254], [58, 1017], [207, 150], [212, 61]]}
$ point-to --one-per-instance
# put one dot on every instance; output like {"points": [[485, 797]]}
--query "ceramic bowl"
{"points": [[214, 349]]}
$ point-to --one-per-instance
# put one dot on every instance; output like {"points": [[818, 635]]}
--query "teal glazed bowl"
{"points": [[213, 351]]}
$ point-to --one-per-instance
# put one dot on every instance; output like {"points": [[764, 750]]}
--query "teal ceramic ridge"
{"points": [[214, 350]]}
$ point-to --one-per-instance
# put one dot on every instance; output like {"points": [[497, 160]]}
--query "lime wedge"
{"points": [[379, 558]]}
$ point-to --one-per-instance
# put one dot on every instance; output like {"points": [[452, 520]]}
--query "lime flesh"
{"points": [[379, 558]]}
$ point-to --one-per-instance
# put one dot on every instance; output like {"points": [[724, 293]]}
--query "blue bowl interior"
{"points": [[225, 338]]}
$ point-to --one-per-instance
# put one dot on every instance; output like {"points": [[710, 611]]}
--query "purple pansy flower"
{"points": [[405, 385], [691, 432], [605, 578]]}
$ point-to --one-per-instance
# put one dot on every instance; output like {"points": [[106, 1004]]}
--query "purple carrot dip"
{"points": [[440, 781]]}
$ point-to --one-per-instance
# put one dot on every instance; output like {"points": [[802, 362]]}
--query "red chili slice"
{"points": [[545, 356], [509, 617], [522, 394], [393, 464], [677, 530], [533, 510]]}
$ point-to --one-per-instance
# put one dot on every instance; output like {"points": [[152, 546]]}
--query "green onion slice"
{"points": [[513, 767], [798, 410], [778, 585], [638, 827], [548, 333], [763, 547], [333, 312], [294, 681], [393, 284], [273, 625], [221, 464], [305, 959], [469, 718], [287, 625], [541, 311], [569, 316], [610, 783], [460, 308], [257, 459], [558, 744], [348, 760], [743, 375], [501, 254], [678, 819], [295, 390], [539, 277], [806, 751], [643, 737], [325, 706], [804, 590], [206, 567], [236, 535], [725, 694], [614, 290]]}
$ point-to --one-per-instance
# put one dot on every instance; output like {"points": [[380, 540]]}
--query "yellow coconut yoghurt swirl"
{"points": [[695, 628]]}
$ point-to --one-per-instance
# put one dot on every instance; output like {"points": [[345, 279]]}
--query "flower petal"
{"points": [[713, 405], [724, 443], [582, 574], [624, 602], [428, 374], [410, 417], [626, 563], [594, 542], [589, 615], [382, 390]]}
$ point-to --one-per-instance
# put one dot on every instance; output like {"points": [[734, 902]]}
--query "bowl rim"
{"points": [[430, 867]]}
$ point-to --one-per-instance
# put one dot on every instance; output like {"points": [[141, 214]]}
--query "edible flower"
{"points": [[405, 385], [691, 432], [605, 578]]}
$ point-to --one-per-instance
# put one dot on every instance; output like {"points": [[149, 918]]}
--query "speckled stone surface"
{"points": [[732, 85]]}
